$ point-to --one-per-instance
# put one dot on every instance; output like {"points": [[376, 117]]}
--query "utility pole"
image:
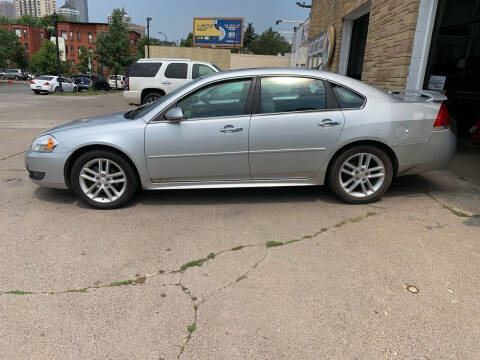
{"points": [[59, 66], [148, 36]]}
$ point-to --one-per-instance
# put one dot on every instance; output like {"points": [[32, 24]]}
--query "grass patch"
{"points": [[237, 248], [456, 211], [84, 290], [121, 283], [270, 244], [192, 328], [194, 298], [242, 277], [86, 93], [19, 292], [195, 307], [198, 262]]}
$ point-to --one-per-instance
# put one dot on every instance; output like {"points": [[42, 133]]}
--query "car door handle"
{"points": [[230, 129], [166, 83], [328, 123]]}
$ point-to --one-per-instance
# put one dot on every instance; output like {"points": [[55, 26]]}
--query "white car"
{"points": [[150, 79], [121, 80], [50, 84]]}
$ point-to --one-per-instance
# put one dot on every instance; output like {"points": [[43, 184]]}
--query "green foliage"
{"points": [[44, 61], [188, 41], [113, 46], [269, 43], [11, 50], [44, 22], [144, 42], [249, 36]]}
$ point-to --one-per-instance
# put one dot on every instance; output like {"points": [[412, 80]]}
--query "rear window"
{"points": [[176, 71], [143, 69], [346, 98], [45, 78]]}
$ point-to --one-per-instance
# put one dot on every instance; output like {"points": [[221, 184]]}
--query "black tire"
{"points": [[17, 78], [36, 92], [75, 90], [151, 97], [2, 77], [131, 184], [334, 175]]}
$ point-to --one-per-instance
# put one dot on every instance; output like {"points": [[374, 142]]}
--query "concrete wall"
{"points": [[243, 61], [221, 57], [389, 42]]}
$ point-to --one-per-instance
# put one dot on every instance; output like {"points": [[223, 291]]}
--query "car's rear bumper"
{"points": [[40, 88], [133, 97], [46, 169], [435, 154]]}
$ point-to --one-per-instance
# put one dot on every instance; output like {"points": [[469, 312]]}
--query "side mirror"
{"points": [[175, 114]]}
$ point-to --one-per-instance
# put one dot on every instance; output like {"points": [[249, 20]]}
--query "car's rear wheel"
{"points": [[36, 92], [151, 97], [17, 77], [103, 179], [361, 174], [75, 90]]}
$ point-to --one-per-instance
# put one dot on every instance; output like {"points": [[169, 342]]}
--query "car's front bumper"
{"points": [[133, 97], [435, 154], [46, 169]]}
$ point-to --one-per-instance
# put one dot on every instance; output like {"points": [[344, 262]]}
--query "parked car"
{"points": [[120, 84], [16, 74], [97, 82], [83, 83], [250, 128], [150, 79], [50, 84]]}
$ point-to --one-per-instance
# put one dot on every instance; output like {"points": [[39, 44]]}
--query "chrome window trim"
{"points": [[296, 112], [196, 119]]}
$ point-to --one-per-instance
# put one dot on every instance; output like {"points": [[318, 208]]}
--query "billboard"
{"points": [[218, 32]]}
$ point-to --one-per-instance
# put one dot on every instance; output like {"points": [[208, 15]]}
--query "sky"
{"points": [[175, 17]]}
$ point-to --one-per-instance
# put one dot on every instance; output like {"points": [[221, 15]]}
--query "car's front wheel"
{"points": [[361, 174], [103, 179]]}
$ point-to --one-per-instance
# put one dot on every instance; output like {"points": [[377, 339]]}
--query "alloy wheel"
{"points": [[362, 175], [103, 180]]}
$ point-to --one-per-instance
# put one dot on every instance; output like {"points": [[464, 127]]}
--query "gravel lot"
{"points": [[289, 273]]}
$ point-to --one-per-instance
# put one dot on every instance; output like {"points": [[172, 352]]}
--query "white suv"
{"points": [[150, 79]]}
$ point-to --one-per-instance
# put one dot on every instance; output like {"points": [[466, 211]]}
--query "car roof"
{"points": [[162, 59]]}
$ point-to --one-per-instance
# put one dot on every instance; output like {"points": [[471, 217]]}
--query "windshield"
{"points": [[143, 110]]}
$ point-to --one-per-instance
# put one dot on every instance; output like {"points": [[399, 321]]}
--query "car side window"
{"points": [[347, 99], [144, 69], [285, 94], [201, 70], [218, 100], [176, 71]]}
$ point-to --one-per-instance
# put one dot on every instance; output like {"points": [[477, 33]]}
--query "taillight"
{"points": [[127, 84], [443, 118], [32, 82], [47, 83], [121, 82]]}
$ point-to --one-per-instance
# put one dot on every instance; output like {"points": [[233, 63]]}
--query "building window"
{"points": [[131, 42], [42, 35], [79, 37], [91, 50], [27, 48], [73, 64], [90, 38], [25, 34], [66, 50], [64, 34], [72, 50], [18, 32], [71, 35]]}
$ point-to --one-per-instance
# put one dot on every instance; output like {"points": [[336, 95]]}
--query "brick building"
{"points": [[403, 44], [74, 34]]}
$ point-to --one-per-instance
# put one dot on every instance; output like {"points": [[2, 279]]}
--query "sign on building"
{"points": [[218, 32], [321, 49]]}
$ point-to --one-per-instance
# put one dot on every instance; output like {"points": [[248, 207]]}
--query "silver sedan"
{"points": [[250, 128]]}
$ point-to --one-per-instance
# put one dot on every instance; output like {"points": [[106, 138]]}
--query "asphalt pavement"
{"points": [[282, 273]]}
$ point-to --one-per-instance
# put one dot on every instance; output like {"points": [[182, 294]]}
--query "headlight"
{"points": [[44, 143]]}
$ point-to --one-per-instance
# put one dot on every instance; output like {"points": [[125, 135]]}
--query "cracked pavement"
{"points": [[287, 273]]}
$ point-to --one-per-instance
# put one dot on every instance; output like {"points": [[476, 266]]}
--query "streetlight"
{"points": [[59, 66], [148, 36]]}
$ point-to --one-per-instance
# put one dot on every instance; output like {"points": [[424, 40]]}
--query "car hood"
{"points": [[99, 120]]}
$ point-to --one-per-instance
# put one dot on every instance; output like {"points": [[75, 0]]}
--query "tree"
{"points": [[188, 41], [83, 56], [270, 43], [11, 50], [113, 46], [44, 61], [144, 42], [249, 37]]}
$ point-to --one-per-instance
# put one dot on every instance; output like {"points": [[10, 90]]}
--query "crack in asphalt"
{"points": [[13, 155]]}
